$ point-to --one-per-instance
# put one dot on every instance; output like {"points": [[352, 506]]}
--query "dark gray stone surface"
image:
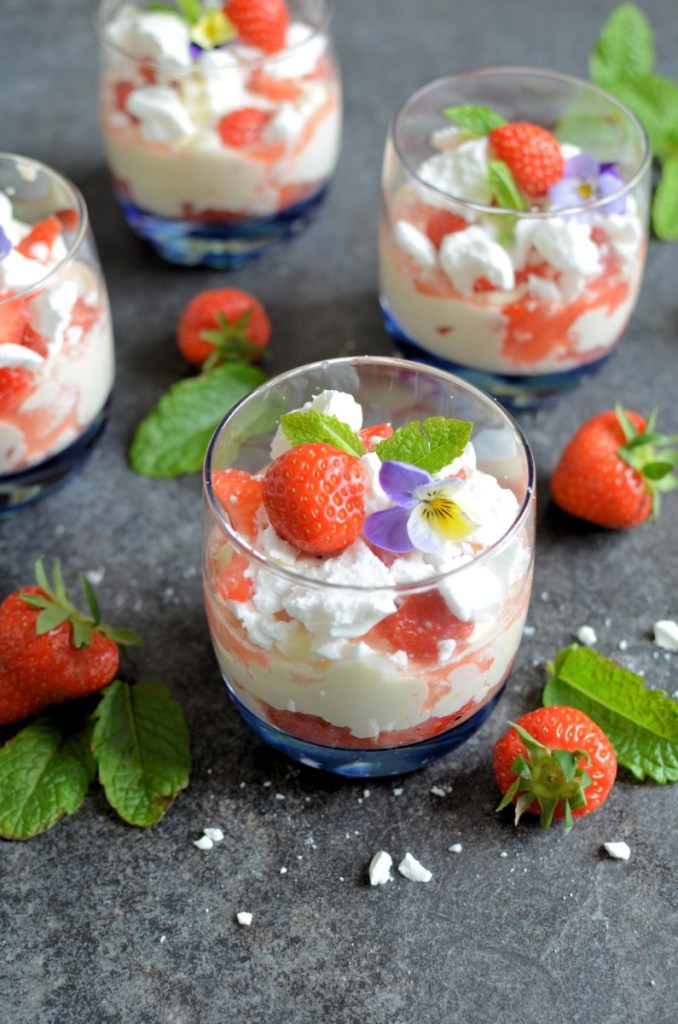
{"points": [[102, 923]]}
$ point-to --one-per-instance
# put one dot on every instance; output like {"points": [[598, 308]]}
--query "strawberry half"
{"points": [[242, 127], [532, 154], [614, 470]]}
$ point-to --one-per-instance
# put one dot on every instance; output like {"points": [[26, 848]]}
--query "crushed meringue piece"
{"points": [[380, 868], [587, 636], [618, 850], [410, 868], [666, 634]]}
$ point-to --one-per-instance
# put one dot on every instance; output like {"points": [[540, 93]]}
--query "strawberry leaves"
{"points": [[641, 724], [646, 451]]}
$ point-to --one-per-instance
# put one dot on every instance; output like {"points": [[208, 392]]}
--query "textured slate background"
{"points": [[519, 925]]}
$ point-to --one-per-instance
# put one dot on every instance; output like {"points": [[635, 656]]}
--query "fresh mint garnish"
{"points": [[173, 438], [622, 62], [43, 776], [311, 427], [504, 188], [641, 724], [430, 444], [141, 744], [474, 120]]}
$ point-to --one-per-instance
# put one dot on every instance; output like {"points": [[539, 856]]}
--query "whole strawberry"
{"points": [[261, 23], [613, 471], [49, 651], [313, 495], [532, 153], [221, 325], [554, 762]]}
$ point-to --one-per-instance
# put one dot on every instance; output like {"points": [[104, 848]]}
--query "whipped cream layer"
{"points": [[306, 650], [56, 345], [544, 294], [162, 106]]}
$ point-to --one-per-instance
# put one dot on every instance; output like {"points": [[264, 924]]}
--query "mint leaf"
{"points": [[311, 427], [476, 120], [654, 101], [173, 438], [43, 775], [503, 185], [641, 724], [665, 204], [625, 45], [142, 748], [431, 444]]}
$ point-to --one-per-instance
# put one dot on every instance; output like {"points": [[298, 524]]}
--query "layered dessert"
{"points": [[229, 115], [56, 344], [364, 597], [507, 250]]}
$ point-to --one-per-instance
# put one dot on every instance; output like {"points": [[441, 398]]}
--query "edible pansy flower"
{"points": [[585, 181], [5, 245], [212, 29], [425, 514]]}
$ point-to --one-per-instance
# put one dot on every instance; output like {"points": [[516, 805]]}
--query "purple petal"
{"points": [[609, 183], [421, 535], [5, 245], [388, 529], [583, 165], [399, 479], [565, 194]]}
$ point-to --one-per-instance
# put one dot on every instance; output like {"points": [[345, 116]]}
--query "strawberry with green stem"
{"points": [[49, 650], [223, 325]]}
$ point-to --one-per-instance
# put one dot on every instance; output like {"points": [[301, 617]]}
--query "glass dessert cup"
{"points": [[532, 300], [56, 342], [202, 188], [311, 663]]}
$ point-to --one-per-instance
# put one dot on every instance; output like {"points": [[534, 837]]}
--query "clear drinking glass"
{"points": [[217, 154], [314, 665], [56, 342], [524, 303]]}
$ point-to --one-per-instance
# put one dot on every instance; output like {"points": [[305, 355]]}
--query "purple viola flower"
{"points": [[424, 513], [585, 181], [5, 245]]}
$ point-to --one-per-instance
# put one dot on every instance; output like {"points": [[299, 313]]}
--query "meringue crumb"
{"points": [[398, 791], [244, 917], [215, 834], [283, 871], [618, 850], [204, 843], [410, 868], [438, 791], [586, 635], [666, 634], [380, 868], [455, 848]]}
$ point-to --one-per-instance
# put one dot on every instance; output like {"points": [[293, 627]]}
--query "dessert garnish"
{"points": [[554, 762], [222, 325], [584, 180], [135, 738], [614, 470], [261, 23], [210, 27]]}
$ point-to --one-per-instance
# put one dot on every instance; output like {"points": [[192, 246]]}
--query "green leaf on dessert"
{"points": [[503, 185], [430, 444], [43, 776], [173, 438], [142, 748], [625, 45], [311, 427], [475, 120], [641, 724], [665, 206]]}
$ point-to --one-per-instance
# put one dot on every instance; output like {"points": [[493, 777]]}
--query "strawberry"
{"points": [[13, 319], [441, 223], [15, 381], [371, 436], [241, 495], [221, 325], [242, 127], [273, 88], [233, 584], [261, 23], [420, 624], [613, 471], [44, 233], [49, 651], [533, 155], [554, 762], [314, 497]]}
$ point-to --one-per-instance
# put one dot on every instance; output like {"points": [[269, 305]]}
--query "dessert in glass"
{"points": [[367, 561], [513, 229], [56, 342], [221, 123]]}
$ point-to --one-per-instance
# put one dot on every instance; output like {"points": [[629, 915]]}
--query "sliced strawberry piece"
{"points": [[441, 223], [261, 23], [371, 436], [70, 219], [15, 382], [276, 89], [233, 585], [35, 342], [242, 127], [240, 495], [44, 233], [13, 320], [420, 624]]}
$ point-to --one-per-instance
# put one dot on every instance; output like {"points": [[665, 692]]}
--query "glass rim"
{"points": [[101, 21], [83, 223], [244, 547], [515, 71]]}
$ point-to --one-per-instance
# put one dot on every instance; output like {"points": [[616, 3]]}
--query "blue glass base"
{"points": [[17, 490], [221, 245], [515, 392], [371, 763]]}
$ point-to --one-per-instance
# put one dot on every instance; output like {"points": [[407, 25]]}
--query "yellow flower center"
{"points": [[585, 190], [442, 514], [213, 29]]}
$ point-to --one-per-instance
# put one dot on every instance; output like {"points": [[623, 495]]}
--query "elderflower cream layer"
{"points": [[307, 650], [162, 104]]}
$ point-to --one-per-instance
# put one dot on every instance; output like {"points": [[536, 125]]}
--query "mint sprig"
{"points": [[641, 724], [504, 187], [430, 444], [475, 120], [307, 426], [172, 439], [622, 62]]}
